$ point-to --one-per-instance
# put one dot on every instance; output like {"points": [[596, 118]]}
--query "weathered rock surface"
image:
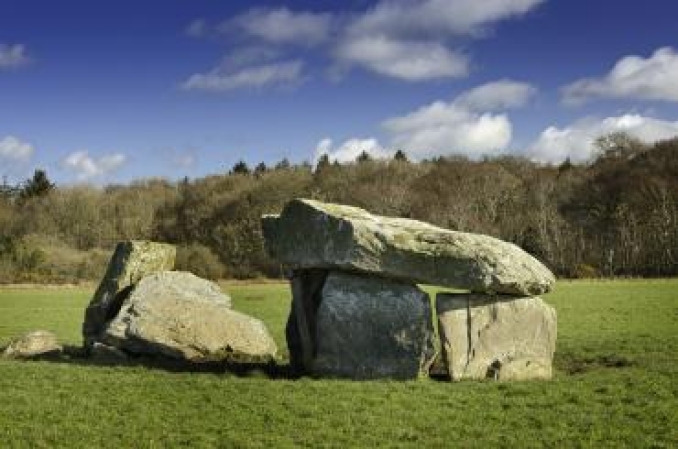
{"points": [[178, 315], [131, 261], [369, 327], [496, 337], [35, 344], [311, 234]]}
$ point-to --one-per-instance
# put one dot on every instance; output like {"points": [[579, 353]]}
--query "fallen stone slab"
{"points": [[369, 327], [131, 261], [180, 316], [312, 234], [32, 345], [496, 337]]}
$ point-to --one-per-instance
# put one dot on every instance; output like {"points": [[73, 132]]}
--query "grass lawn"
{"points": [[616, 384]]}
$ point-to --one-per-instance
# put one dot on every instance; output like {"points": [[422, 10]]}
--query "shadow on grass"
{"points": [[75, 355], [573, 365]]}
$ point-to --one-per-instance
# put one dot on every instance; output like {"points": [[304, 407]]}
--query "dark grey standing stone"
{"points": [[371, 327]]}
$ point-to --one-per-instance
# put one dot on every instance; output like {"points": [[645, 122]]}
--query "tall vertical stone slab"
{"points": [[131, 261], [300, 331], [371, 327], [497, 337]]}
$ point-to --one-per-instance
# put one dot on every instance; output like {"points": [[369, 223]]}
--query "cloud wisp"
{"points": [[12, 150], [87, 168], [282, 26], [13, 56], [220, 79], [632, 77]]}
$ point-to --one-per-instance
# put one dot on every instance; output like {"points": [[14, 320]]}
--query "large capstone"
{"points": [[131, 261], [181, 316], [503, 338], [370, 327], [312, 234]]}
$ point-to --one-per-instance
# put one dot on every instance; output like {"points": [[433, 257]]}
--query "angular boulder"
{"points": [[312, 234], [502, 338], [178, 315], [35, 344], [131, 261], [369, 327]]}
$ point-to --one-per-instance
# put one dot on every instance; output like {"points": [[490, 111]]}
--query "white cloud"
{"points": [[351, 149], [411, 61], [576, 140], [409, 39], [502, 94], [12, 56], [86, 167], [462, 126], [652, 78], [222, 79], [412, 40], [14, 150], [281, 25], [437, 17]]}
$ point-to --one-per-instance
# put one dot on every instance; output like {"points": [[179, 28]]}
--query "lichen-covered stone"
{"points": [[312, 234], [131, 261], [35, 344], [369, 327], [180, 316], [497, 337]]}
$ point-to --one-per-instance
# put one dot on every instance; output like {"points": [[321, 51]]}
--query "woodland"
{"points": [[614, 216]]}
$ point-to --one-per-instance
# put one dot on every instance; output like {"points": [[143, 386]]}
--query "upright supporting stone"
{"points": [[370, 327], [301, 325], [131, 261], [497, 337]]}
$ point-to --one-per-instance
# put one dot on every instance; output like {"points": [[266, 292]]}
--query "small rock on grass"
{"points": [[33, 345]]}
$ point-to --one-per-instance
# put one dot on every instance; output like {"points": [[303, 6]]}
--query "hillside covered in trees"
{"points": [[616, 216]]}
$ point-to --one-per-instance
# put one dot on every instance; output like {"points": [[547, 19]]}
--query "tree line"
{"points": [[614, 216]]}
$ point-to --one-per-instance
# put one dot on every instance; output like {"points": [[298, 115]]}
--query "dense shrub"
{"points": [[199, 260]]}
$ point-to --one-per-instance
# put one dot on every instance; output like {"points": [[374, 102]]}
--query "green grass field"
{"points": [[616, 384]]}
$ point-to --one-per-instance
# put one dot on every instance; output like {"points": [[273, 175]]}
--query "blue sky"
{"points": [[112, 91]]}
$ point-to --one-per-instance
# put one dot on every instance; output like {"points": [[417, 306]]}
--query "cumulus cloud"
{"points": [[652, 78], [472, 124], [467, 125], [576, 140], [224, 79], [409, 39], [14, 150], [280, 25], [87, 167], [12, 56], [411, 61], [351, 149]]}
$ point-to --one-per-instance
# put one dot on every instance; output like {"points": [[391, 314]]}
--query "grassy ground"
{"points": [[615, 385]]}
